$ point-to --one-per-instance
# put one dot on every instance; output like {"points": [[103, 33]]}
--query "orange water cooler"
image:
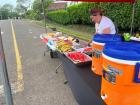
{"points": [[99, 40], [121, 79]]}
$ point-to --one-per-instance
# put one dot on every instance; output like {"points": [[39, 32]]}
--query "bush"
{"points": [[75, 14], [120, 13], [80, 13], [59, 16]]}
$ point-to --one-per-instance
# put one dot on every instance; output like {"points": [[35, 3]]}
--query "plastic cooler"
{"points": [[99, 40], [121, 79]]}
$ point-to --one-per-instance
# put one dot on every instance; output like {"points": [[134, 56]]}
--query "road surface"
{"points": [[32, 75]]}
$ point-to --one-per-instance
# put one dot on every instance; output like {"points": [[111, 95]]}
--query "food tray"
{"points": [[64, 52], [78, 62], [89, 53], [135, 39], [86, 52]]}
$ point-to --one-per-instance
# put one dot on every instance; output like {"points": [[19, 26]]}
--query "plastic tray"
{"points": [[79, 62], [135, 39]]}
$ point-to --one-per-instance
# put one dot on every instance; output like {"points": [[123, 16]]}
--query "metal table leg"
{"points": [[65, 82], [56, 70], [46, 50]]}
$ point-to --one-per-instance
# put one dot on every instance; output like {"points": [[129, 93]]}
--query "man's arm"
{"points": [[106, 31], [90, 41]]}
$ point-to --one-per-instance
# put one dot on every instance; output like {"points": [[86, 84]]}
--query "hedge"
{"points": [[120, 13], [80, 13], [59, 16]]}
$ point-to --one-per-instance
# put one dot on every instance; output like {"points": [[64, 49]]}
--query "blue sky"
{"points": [[13, 2]]}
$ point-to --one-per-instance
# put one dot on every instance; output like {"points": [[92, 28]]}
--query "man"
{"points": [[103, 25]]}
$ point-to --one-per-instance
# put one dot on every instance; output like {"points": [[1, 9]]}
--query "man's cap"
{"points": [[94, 12]]}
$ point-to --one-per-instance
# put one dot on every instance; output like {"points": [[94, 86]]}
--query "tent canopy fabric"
{"points": [[130, 1]]}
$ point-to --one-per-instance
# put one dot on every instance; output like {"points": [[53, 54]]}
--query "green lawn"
{"points": [[83, 32]]}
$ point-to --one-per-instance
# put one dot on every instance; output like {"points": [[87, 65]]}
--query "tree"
{"points": [[37, 8], [9, 7], [4, 14], [20, 9], [23, 2], [7, 11], [22, 6]]}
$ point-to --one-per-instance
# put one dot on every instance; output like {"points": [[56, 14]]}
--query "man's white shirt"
{"points": [[105, 23]]}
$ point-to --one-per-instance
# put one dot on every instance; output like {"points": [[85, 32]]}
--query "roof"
{"points": [[57, 5], [131, 1]]}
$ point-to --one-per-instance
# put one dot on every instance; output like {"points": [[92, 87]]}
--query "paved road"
{"points": [[40, 84]]}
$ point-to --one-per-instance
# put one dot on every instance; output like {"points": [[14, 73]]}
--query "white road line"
{"points": [[35, 37], [30, 31], [15, 87], [2, 33]]}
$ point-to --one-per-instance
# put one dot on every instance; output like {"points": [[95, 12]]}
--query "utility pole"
{"points": [[132, 18], [0, 15], [44, 14]]}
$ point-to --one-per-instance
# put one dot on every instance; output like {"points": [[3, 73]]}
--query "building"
{"points": [[60, 5], [57, 6]]}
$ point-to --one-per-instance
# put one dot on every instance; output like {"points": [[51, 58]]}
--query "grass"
{"points": [[83, 32]]}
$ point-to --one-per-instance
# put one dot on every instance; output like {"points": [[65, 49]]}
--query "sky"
{"points": [[13, 2]]}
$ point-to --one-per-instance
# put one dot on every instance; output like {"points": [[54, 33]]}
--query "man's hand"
{"points": [[89, 43]]}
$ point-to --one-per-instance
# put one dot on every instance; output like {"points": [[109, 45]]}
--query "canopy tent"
{"points": [[129, 1]]}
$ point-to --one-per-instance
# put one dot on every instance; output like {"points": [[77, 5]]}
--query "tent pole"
{"points": [[44, 14], [132, 19]]}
